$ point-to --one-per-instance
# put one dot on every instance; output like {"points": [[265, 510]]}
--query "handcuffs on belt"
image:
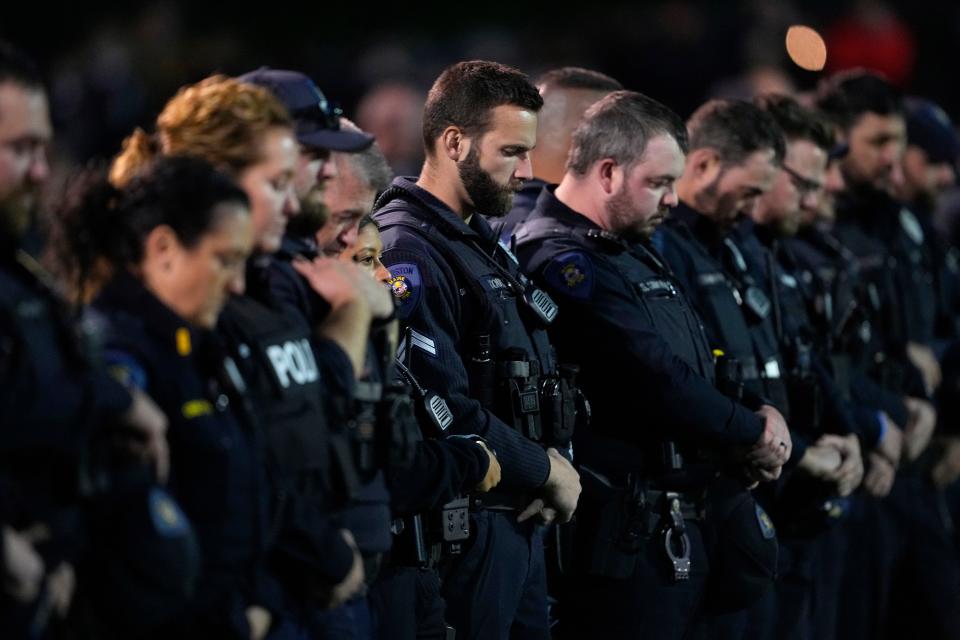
{"points": [[675, 539]]}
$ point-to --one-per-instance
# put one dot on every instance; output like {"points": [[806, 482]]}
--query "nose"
{"points": [[381, 273], [810, 200], [947, 176], [291, 203], [328, 169], [892, 153], [670, 198], [897, 179], [747, 205], [237, 283], [524, 170], [348, 237], [39, 166], [833, 183]]}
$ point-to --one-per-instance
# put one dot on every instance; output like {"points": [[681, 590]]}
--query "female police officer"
{"points": [[176, 240]]}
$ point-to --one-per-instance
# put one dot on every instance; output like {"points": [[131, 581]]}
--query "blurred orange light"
{"points": [[806, 48]]}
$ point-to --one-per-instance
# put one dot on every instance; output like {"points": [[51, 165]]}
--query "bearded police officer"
{"points": [[476, 334], [587, 242]]}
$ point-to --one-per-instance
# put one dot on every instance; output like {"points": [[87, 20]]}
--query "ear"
{"points": [[703, 165], [609, 176], [453, 143], [160, 248]]}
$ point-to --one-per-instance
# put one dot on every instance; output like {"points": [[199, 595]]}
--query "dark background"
{"points": [[111, 67]]}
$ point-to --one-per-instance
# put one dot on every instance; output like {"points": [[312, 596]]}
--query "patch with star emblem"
{"points": [[168, 519], [405, 285], [571, 274], [767, 530], [125, 369]]}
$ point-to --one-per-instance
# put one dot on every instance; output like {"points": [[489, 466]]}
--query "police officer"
{"points": [[53, 399], [476, 335], [587, 241], [886, 241], [422, 475], [567, 92], [929, 169], [807, 508], [165, 228], [736, 150]]}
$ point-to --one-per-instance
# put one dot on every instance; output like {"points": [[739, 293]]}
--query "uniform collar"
{"points": [[744, 229], [127, 293], [550, 206], [437, 211], [869, 208], [531, 189], [292, 245], [703, 228]]}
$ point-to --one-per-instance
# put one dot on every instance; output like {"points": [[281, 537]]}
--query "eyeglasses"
{"points": [[803, 185]]}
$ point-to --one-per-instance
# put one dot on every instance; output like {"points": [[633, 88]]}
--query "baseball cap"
{"points": [[929, 127], [316, 121]]}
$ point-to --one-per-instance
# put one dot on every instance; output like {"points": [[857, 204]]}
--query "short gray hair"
{"points": [[372, 168], [619, 126]]}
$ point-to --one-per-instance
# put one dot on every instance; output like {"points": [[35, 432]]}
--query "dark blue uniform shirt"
{"points": [[217, 471], [452, 283], [645, 363]]}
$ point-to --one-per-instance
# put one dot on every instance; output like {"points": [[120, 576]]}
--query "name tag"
{"points": [[710, 279], [657, 286]]}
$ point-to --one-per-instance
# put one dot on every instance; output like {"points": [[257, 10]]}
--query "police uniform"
{"points": [[52, 401], [422, 475], [477, 336], [809, 516], [643, 353], [217, 469], [301, 386], [842, 311], [736, 313], [916, 564]]}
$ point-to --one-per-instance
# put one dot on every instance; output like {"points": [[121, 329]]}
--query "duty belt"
{"points": [[498, 501]]}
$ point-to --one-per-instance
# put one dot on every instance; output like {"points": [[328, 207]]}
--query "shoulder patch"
{"points": [[767, 530], [168, 520], [571, 274], [125, 369], [406, 286]]}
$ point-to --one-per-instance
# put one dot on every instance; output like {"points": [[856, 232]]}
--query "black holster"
{"points": [[729, 377]]}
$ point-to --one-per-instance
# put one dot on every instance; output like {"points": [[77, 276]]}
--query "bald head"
{"points": [[567, 94]]}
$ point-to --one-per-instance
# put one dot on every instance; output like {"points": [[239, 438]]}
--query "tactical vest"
{"points": [[915, 278], [882, 302], [738, 314], [510, 362], [277, 360], [648, 280]]}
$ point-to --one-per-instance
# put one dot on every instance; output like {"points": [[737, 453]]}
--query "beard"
{"points": [[622, 213], [312, 216], [488, 197], [17, 212]]}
